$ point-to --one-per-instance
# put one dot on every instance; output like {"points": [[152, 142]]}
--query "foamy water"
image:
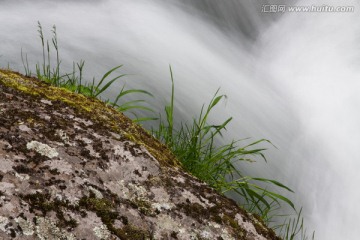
{"points": [[292, 78]]}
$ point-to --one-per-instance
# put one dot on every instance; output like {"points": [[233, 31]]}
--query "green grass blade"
{"points": [[107, 85], [273, 182]]}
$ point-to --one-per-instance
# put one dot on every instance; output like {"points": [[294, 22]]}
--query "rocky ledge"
{"points": [[73, 168]]}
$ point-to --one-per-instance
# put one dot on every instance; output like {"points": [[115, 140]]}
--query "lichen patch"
{"points": [[64, 137], [61, 166], [102, 232], [26, 226], [42, 148], [248, 226], [47, 229], [24, 128], [3, 222]]}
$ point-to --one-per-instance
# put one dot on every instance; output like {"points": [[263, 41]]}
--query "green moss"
{"points": [[240, 233], [102, 207], [260, 228], [130, 232], [104, 116], [233, 223], [195, 211], [105, 210], [143, 206], [41, 202]]}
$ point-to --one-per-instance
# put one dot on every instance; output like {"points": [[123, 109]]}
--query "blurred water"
{"points": [[291, 78]]}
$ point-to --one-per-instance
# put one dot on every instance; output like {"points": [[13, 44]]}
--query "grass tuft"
{"points": [[74, 81], [194, 145]]}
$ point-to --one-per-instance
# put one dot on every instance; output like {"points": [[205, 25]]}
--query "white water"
{"points": [[290, 78]]}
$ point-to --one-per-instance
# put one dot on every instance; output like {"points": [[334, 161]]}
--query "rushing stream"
{"points": [[292, 78]]}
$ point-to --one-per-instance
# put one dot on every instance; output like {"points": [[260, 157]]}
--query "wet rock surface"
{"points": [[73, 168]]}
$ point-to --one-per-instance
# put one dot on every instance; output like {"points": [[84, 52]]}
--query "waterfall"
{"points": [[290, 77]]}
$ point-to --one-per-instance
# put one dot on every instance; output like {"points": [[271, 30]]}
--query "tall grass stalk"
{"points": [[293, 228], [25, 63], [74, 81]]}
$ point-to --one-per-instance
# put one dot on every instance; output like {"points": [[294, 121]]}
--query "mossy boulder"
{"points": [[72, 167]]}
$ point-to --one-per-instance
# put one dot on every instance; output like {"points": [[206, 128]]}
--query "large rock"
{"points": [[73, 168]]}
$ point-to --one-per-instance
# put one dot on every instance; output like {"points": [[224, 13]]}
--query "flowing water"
{"points": [[292, 78]]}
